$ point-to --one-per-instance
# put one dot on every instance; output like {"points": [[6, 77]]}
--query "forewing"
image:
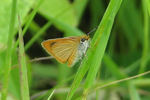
{"points": [[61, 49]]}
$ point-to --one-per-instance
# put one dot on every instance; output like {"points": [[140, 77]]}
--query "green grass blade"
{"points": [[23, 67], [7, 67], [31, 16], [100, 40], [100, 86], [78, 78], [146, 38], [37, 35], [98, 45]]}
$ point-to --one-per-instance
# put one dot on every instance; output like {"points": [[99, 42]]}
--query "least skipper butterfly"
{"points": [[67, 50]]}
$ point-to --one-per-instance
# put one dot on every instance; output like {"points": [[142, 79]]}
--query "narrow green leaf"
{"points": [[23, 67], [100, 40], [146, 38], [7, 67], [98, 45]]}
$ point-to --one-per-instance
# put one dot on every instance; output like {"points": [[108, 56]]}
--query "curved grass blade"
{"points": [[101, 38], [96, 52]]}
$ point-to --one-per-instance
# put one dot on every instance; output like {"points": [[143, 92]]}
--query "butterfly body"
{"points": [[69, 49]]}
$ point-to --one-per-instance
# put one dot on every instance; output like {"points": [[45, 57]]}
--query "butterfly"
{"points": [[67, 50]]}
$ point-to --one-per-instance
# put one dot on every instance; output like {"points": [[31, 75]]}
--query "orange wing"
{"points": [[72, 58], [62, 49]]}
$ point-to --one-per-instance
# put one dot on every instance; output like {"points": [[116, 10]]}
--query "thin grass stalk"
{"points": [[118, 81], [23, 68], [8, 59], [146, 38]]}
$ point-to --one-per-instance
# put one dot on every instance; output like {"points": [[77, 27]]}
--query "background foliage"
{"points": [[119, 49]]}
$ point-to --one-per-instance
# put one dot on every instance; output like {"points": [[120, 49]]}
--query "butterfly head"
{"points": [[84, 44], [84, 38]]}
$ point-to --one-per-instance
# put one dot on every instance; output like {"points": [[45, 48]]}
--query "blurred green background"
{"points": [[126, 54]]}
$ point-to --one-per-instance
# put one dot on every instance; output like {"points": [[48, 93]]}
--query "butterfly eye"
{"points": [[83, 39]]}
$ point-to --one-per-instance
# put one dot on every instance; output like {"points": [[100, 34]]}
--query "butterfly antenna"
{"points": [[92, 30]]}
